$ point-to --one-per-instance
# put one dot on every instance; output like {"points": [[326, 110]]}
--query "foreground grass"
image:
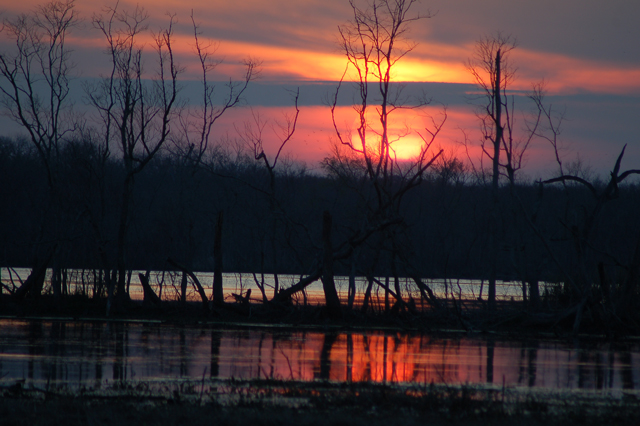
{"points": [[260, 402]]}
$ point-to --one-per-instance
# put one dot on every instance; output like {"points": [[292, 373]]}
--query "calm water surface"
{"points": [[167, 285], [90, 353]]}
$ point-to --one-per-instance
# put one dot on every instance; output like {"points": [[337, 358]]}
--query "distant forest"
{"points": [[176, 203]]}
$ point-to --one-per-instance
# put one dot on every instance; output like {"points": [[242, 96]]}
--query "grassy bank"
{"points": [[260, 402]]}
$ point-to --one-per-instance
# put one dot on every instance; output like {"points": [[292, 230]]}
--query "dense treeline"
{"points": [[176, 205]]}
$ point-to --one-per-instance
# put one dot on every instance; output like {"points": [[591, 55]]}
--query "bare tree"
{"points": [[196, 123], [192, 142], [36, 76], [34, 90], [135, 111], [493, 73], [374, 42], [500, 139], [254, 135], [581, 235], [549, 124]]}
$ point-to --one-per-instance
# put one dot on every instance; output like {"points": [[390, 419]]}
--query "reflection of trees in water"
{"points": [[184, 370], [272, 364], [600, 371], [261, 340], [120, 333], [73, 353], [322, 370], [583, 369], [421, 366], [100, 349], [527, 367], [384, 355], [55, 368], [533, 362], [596, 367], [216, 342], [349, 358], [626, 369], [490, 354], [367, 355], [35, 341]]}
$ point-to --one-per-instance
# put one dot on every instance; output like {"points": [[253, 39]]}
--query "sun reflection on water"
{"points": [[79, 353]]}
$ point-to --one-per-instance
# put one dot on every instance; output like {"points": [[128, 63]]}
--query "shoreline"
{"points": [[510, 319]]}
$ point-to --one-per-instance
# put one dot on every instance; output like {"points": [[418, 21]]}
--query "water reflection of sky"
{"points": [[81, 354], [166, 285]]}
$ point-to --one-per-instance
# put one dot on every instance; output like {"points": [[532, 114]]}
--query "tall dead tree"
{"points": [[490, 75], [193, 140], [500, 139], [374, 41], [328, 283], [135, 110]]}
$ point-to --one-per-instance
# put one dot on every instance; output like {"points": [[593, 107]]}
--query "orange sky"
{"points": [[297, 39], [578, 47]]}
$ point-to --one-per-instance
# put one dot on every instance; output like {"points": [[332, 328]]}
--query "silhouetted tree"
{"points": [[135, 112], [581, 279], [254, 137], [35, 83], [36, 76], [374, 41], [500, 139]]}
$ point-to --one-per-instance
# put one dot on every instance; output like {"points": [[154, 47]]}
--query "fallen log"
{"points": [[285, 295]]}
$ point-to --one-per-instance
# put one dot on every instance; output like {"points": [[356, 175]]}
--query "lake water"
{"points": [[75, 354], [167, 286]]}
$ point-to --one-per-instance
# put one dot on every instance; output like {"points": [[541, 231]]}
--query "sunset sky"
{"points": [[587, 51]]}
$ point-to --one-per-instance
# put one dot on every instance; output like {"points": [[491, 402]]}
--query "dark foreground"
{"points": [[234, 402]]}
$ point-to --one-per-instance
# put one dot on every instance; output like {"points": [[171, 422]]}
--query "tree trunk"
{"points": [[396, 280], [127, 192], [149, 295], [628, 297], [352, 281], [328, 284], [534, 294], [218, 293], [196, 282], [426, 292], [56, 281], [111, 278], [34, 283], [367, 295], [386, 295], [183, 289], [497, 104]]}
